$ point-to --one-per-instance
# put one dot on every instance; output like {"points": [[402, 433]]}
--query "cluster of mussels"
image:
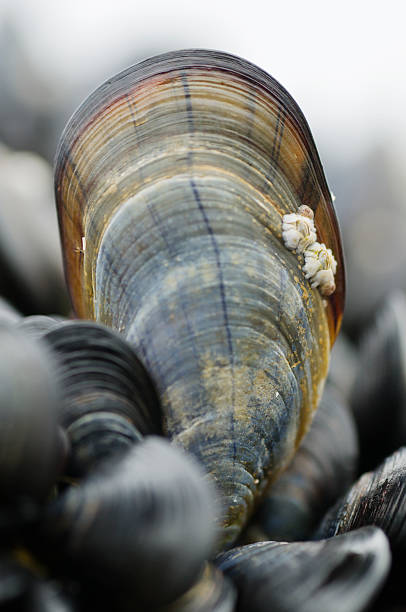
{"points": [[162, 452], [98, 509]]}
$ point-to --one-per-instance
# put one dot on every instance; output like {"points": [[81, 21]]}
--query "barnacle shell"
{"points": [[320, 267], [172, 180], [342, 573], [298, 231]]}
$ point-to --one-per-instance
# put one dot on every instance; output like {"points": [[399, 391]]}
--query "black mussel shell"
{"points": [[341, 574], [31, 448], [143, 525], [30, 262], [378, 395], [377, 498], [109, 398]]}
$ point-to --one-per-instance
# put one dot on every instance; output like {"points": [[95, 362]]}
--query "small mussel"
{"points": [[143, 525], [378, 396], [31, 447], [109, 401], [377, 498], [322, 469], [341, 574]]}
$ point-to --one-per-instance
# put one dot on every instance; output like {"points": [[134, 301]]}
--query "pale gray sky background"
{"points": [[344, 62]]}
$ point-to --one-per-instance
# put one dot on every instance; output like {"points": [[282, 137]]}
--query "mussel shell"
{"points": [[31, 449], [109, 400], [377, 498], [378, 394], [30, 260], [171, 182], [322, 469], [341, 574], [143, 525]]}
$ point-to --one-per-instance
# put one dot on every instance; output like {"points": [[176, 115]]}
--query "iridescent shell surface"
{"points": [[171, 181]]}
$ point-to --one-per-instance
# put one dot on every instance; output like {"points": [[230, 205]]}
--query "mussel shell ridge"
{"points": [[171, 182]]}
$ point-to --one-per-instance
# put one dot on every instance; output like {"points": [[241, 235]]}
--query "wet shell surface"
{"points": [[144, 525], [321, 471], [377, 498], [31, 450], [378, 394], [340, 574], [172, 181], [108, 401]]}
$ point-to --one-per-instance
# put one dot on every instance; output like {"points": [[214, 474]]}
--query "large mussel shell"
{"points": [[171, 182], [143, 526], [341, 574]]}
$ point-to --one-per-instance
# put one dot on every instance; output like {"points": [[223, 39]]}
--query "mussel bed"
{"points": [[159, 460]]}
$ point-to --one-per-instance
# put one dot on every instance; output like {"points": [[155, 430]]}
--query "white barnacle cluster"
{"points": [[298, 229], [299, 234]]}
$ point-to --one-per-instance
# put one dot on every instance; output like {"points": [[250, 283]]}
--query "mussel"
{"points": [[142, 525], [31, 447], [31, 275], [377, 498], [341, 574], [378, 393], [109, 401], [173, 181]]}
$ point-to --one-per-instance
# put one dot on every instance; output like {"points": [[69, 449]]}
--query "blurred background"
{"points": [[343, 62]]}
